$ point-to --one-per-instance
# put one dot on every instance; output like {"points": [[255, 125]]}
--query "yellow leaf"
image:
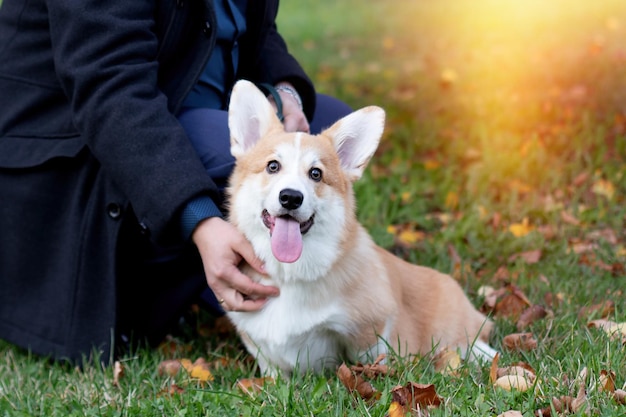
{"points": [[396, 410], [411, 236], [431, 164], [186, 363], [520, 229], [604, 188], [452, 200], [447, 362], [253, 386], [405, 197], [201, 373]]}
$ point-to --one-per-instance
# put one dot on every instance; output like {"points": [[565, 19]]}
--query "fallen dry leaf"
{"points": [[118, 373], [519, 341], [414, 396], [511, 413], [171, 390], [511, 302], [606, 381], [616, 331], [396, 410], [447, 361], [253, 385], [521, 229], [530, 257], [531, 315], [355, 383], [604, 188], [620, 396], [169, 367], [198, 370], [569, 218], [513, 382], [603, 309], [518, 370], [372, 370], [493, 370]]}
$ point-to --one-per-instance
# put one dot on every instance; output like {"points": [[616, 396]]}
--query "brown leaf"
{"points": [[580, 401], [607, 381], [605, 234], [530, 257], [519, 341], [511, 302], [171, 347], [118, 372], [169, 367], [493, 371], [170, 391], [372, 370], [620, 396], [502, 274], [414, 396], [531, 315], [603, 309], [580, 179], [569, 218], [253, 386], [355, 383]]}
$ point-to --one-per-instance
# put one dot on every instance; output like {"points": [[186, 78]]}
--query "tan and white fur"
{"points": [[341, 296]]}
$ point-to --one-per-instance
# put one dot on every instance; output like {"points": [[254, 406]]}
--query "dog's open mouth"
{"points": [[286, 235]]}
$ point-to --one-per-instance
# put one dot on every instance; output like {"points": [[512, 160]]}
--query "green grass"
{"points": [[496, 112]]}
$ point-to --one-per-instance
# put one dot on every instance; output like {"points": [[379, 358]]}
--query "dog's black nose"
{"points": [[290, 199]]}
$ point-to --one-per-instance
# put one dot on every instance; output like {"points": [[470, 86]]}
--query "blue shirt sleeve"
{"points": [[195, 211]]}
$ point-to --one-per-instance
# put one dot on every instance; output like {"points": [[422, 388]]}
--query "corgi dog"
{"points": [[342, 297]]}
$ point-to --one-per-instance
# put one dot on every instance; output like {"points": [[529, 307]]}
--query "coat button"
{"points": [[143, 229], [114, 210], [207, 28]]}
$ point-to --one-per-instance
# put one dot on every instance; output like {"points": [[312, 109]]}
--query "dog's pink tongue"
{"points": [[286, 240]]}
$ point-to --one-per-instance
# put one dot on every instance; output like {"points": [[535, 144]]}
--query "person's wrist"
{"points": [[289, 89]]}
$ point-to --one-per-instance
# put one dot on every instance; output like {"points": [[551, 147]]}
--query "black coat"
{"points": [[94, 167]]}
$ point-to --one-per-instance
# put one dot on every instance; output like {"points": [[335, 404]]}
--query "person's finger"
{"points": [[246, 251], [244, 285]]}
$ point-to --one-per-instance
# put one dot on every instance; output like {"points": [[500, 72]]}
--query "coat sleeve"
{"points": [[105, 58]]}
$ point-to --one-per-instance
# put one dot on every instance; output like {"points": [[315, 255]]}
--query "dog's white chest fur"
{"points": [[294, 331]]}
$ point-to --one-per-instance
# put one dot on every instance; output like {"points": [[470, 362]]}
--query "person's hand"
{"points": [[295, 119], [222, 247]]}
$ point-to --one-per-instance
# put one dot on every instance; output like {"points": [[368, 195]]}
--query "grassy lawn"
{"points": [[503, 163]]}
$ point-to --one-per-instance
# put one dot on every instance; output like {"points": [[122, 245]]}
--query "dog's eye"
{"points": [[273, 167], [315, 174]]}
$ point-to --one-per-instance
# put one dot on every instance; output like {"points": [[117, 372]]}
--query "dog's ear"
{"points": [[356, 138], [250, 117]]}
